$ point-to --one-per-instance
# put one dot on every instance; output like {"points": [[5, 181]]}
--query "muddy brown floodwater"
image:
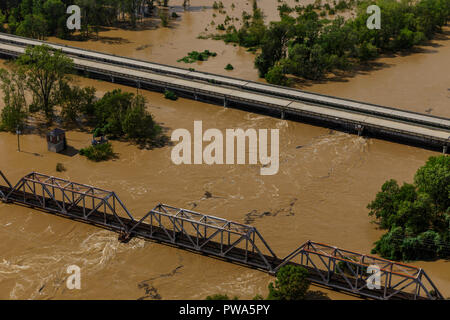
{"points": [[325, 181]]}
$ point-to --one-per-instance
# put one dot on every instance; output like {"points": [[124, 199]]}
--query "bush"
{"points": [[229, 67], [99, 152], [168, 94], [60, 167], [291, 284], [197, 56]]}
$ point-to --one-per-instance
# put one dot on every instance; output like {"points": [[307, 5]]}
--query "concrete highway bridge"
{"points": [[353, 116]]}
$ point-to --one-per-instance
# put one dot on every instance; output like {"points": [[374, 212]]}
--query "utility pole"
{"points": [[18, 140]]}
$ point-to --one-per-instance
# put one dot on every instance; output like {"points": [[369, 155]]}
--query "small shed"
{"points": [[56, 140]]}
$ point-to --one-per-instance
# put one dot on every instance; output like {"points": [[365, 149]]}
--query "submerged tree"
{"points": [[291, 284], [14, 113], [417, 216], [47, 71]]}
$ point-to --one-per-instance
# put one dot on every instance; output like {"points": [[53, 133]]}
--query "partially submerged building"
{"points": [[56, 140]]}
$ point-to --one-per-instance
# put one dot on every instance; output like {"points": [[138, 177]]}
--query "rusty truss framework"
{"points": [[350, 271], [327, 265]]}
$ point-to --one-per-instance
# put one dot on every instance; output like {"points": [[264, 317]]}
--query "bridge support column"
{"points": [[282, 115], [195, 96], [445, 149], [112, 79], [225, 102], [360, 129]]}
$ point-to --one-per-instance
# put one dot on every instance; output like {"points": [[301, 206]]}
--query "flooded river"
{"points": [[326, 179]]}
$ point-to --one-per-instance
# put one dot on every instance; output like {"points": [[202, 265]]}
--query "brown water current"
{"points": [[326, 179]]}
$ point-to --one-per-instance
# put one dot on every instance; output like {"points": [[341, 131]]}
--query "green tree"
{"points": [[47, 71], [33, 26], [138, 124], [276, 75], [434, 179], [76, 102], [14, 112], [291, 283], [417, 216]]}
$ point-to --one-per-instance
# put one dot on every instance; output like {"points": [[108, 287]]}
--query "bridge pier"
{"points": [[225, 102], [360, 129], [282, 115], [445, 149]]}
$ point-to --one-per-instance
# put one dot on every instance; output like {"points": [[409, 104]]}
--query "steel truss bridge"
{"points": [[328, 266]]}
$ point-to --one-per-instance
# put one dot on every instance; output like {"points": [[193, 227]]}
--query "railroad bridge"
{"points": [[358, 117], [327, 265]]}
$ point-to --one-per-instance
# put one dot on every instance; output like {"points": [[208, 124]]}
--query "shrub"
{"points": [[170, 95], [99, 152], [60, 167], [229, 67], [197, 56]]}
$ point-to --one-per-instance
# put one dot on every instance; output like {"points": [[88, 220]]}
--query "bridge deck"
{"points": [[242, 84], [425, 134]]}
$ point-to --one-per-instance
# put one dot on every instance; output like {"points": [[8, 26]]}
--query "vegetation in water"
{"points": [[44, 74], [291, 283], [122, 115], [14, 112], [416, 216], [307, 46], [41, 18], [168, 94], [98, 152], [60, 167], [197, 56]]}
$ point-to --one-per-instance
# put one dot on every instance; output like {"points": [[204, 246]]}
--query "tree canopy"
{"points": [[291, 283], [41, 18], [416, 216], [308, 45], [47, 72]]}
